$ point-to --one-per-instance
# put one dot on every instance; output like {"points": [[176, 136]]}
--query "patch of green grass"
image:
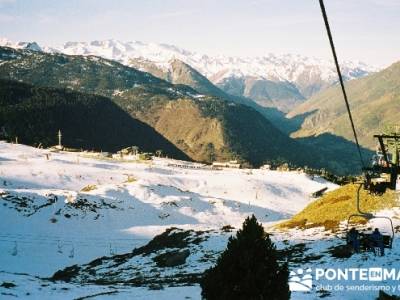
{"points": [[130, 179], [337, 206], [89, 187]]}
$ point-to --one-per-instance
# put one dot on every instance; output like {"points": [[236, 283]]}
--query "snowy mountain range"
{"points": [[307, 74], [275, 67]]}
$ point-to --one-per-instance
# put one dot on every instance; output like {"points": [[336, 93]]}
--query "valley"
{"points": [[149, 227], [215, 126], [199, 150]]}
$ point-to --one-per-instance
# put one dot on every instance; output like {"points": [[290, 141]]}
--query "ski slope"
{"points": [[159, 197], [50, 221]]}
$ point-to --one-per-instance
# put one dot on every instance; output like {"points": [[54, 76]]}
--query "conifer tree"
{"points": [[248, 268]]}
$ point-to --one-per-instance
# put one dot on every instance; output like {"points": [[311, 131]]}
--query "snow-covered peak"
{"points": [[282, 67], [20, 45], [6, 42], [31, 46], [270, 66]]}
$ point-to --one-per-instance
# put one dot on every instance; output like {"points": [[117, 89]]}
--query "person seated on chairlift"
{"points": [[376, 161], [377, 241], [353, 239]]}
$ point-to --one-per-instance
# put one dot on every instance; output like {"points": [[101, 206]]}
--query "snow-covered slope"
{"points": [[128, 204], [49, 222], [64, 209]]}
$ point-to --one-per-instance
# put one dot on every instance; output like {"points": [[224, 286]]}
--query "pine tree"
{"points": [[248, 268]]}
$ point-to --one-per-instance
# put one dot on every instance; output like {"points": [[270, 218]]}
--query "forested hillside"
{"points": [[35, 114]]}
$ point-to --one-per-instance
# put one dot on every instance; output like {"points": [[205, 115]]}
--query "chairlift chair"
{"points": [[387, 238], [381, 176]]}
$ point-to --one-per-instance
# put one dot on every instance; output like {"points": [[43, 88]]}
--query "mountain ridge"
{"points": [[374, 101], [307, 75], [204, 127]]}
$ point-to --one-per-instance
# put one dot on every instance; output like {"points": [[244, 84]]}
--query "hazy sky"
{"points": [[366, 30]]}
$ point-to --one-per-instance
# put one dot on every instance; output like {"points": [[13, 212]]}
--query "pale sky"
{"points": [[366, 30]]}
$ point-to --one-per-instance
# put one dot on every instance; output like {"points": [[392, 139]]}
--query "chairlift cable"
{"points": [[328, 30], [360, 213]]}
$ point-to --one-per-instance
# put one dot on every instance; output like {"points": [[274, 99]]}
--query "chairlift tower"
{"points": [[59, 135], [386, 167]]}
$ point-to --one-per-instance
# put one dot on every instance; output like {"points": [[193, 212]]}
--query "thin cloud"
{"points": [[171, 14], [45, 19], [6, 2], [386, 3], [5, 18]]}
